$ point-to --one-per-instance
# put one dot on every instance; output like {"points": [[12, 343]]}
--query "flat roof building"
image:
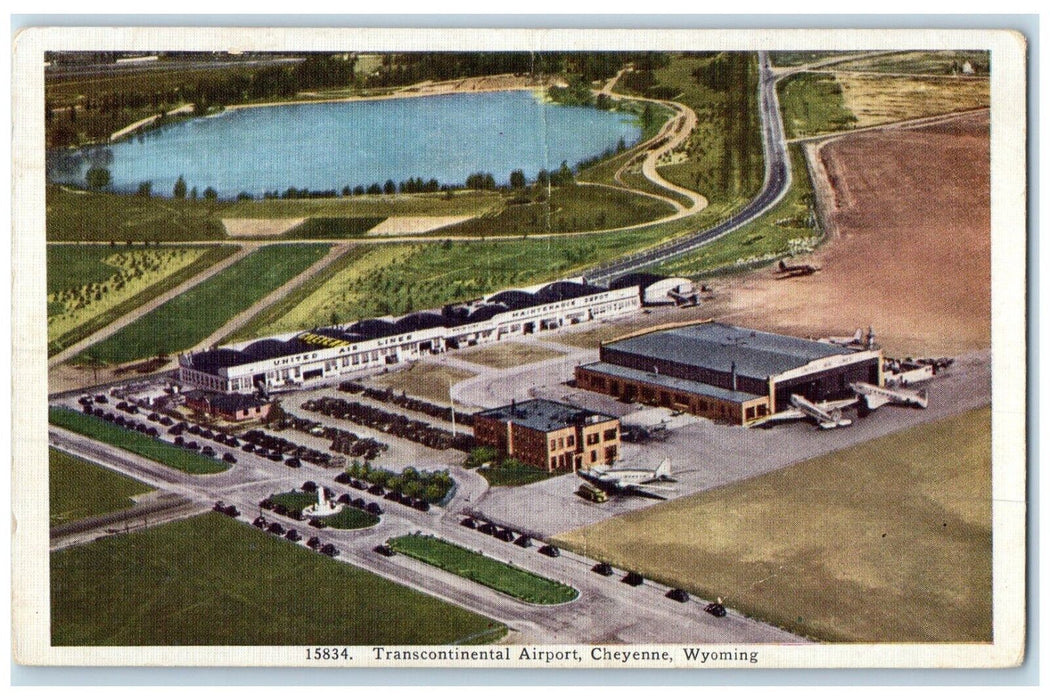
{"points": [[726, 372], [550, 435]]}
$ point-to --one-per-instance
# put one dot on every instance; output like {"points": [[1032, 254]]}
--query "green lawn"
{"points": [[812, 103], [132, 441], [79, 489], [72, 266], [788, 228], [348, 518], [211, 580], [64, 273], [192, 316], [505, 578], [77, 215], [514, 474], [335, 227], [570, 208]]}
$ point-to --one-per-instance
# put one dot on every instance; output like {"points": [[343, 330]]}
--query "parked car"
{"points": [[385, 550], [716, 609], [550, 550]]}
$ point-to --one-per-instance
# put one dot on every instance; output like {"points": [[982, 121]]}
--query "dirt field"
{"points": [[887, 541], [509, 354], [243, 228], [425, 380], [909, 246], [880, 99]]}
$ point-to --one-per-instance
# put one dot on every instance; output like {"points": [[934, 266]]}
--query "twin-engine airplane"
{"points": [[631, 482], [876, 396], [826, 414]]}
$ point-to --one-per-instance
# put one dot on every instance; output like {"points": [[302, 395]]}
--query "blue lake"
{"points": [[325, 146]]}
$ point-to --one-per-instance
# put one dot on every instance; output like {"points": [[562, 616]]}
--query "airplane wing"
{"points": [[838, 404], [873, 401], [780, 417], [646, 491]]}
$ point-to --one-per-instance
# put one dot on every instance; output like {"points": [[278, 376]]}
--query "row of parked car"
{"points": [[292, 535], [631, 578], [392, 495], [395, 424], [410, 403]]}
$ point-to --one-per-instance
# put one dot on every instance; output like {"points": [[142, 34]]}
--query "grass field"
{"points": [[923, 63], [888, 541], [77, 309], [570, 208], [812, 103], [723, 155], [79, 489], [132, 441], [424, 380], [334, 227], [103, 217], [509, 354], [877, 99], [192, 316], [211, 580], [505, 578], [789, 228], [346, 519], [503, 474], [798, 58], [76, 215]]}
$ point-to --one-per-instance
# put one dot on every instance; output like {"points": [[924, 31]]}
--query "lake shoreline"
{"points": [[462, 86]]}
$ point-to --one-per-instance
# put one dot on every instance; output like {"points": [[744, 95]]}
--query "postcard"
{"points": [[519, 348]]}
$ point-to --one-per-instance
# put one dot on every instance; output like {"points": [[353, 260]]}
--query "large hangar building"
{"points": [[294, 360], [726, 372]]}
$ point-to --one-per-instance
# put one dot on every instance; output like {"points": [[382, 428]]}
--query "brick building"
{"points": [[550, 435], [725, 372]]}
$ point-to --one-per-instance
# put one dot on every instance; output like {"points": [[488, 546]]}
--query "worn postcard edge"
{"points": [[30, 575]]}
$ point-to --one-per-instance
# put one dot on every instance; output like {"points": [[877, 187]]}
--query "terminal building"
{"points": [[295, 360], [550, 435], [726, 372]]}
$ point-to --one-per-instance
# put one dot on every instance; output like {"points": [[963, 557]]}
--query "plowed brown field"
{"points": [[908, 213]]}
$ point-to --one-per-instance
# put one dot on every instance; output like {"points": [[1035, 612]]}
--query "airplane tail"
{"points": [[664, 470], [782, 266]]}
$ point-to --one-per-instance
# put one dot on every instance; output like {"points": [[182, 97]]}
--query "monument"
{"points": [[323, 507]]}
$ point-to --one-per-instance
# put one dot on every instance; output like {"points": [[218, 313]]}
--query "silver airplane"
{"points": [[876, 396], [631, 482], [826, 414]]}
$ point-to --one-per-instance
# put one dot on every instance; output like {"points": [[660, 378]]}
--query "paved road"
{"points": [[775, 185], [606, 611]]}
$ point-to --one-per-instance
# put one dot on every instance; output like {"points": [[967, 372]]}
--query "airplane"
{"points": [[876, 396], [631, 482], [785, 271], [826, 414], [857, 340]]}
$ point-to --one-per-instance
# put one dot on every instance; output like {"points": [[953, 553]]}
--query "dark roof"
{"points": [[717, 346], [231, 403], [418, 321], [544, 415], [560, 291], [484, 313], [372, 328], [211, 361], [640, 279], [669, 382], [514, 299]]}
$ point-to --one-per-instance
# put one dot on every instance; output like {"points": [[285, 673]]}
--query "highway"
{"points": [[775, 185]]}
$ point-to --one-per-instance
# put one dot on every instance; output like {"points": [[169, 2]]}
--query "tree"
{"points": [[390, 187], [145, 189], [517, 179], [179, 191], [210, 193], [97, 177]]}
